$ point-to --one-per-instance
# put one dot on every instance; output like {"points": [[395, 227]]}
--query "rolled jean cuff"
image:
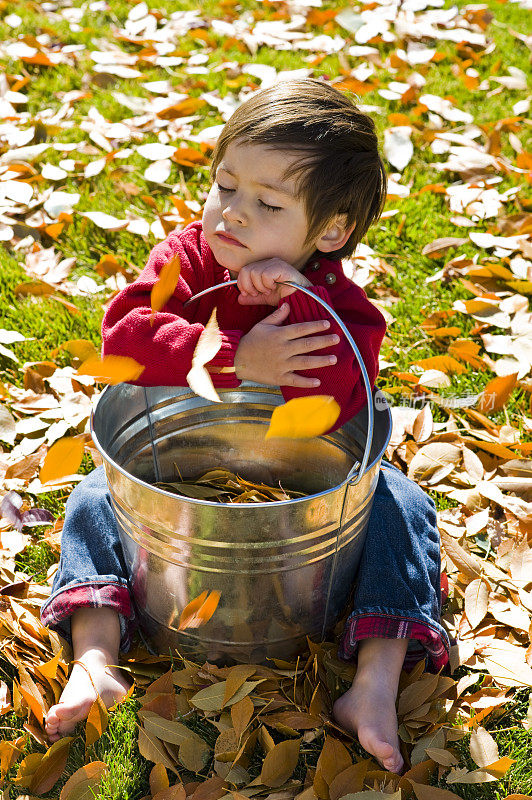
{"points": [[426, 640], [58, 609]]}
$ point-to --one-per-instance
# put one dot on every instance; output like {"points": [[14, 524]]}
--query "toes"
{"points": [[393, 764]]}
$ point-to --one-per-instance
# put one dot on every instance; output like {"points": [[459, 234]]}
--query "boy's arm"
{"points": [[365, 323], [165, 349]]}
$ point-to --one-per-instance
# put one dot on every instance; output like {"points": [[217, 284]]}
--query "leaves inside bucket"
{"points": [[223, 486]]}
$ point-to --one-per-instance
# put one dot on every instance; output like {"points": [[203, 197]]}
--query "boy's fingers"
{"points": [[300, 329], [300, 382], [278, 315], [307, 345], [311, 362]]}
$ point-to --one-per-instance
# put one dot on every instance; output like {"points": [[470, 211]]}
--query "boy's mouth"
{"points": [[229, 238]]}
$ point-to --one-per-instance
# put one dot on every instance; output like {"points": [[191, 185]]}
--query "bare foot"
{"points": [[368, 710], [88, 678]]}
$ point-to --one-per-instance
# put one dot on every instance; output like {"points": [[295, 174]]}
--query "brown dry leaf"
{"points": [[175, 792], [211, 698], [241, 714], [153, 750], [158, 779], [97, 721], [303, 417], [496, 394], [63, 458], [466, 563], [235, 678], [51, 767], [209, 343], [84, 783], [334, 759], [476, 604], [112, 369], [192, 757], [280, 763], [349, 780], [432, 792], [165, 285], [199, 611], [434, 461], [439, 246], [422, 428]]}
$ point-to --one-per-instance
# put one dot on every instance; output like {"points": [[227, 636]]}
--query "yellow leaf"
{"points": [[165, 286], [112, 369], [208, 345], [199, 611], [496, 393], [304, 417], [63, 458], [446, 364]]}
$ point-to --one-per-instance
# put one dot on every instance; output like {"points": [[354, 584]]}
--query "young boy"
{"points": [[297, 181]]}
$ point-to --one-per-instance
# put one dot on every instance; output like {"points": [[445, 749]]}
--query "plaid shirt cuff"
{"points": [[425, 642], [91, 595]]}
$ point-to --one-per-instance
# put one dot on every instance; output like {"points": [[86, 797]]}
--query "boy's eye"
{"points": [[270, 208], [223, 188]]}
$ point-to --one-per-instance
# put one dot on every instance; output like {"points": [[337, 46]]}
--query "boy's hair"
{"points": [[340, 170]]}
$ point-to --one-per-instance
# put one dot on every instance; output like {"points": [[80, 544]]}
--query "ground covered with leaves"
{"points": [[109, 112]]}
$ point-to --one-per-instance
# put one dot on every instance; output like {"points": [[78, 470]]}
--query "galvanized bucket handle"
{"points": [[354, 475]]}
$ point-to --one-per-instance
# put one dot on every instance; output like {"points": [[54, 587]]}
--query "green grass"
{"points": [[47, 323]]}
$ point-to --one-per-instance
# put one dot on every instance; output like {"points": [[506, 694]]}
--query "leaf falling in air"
{"points": [[209, 343], [199, 611], [63, 458], [112, 369], [303, 417], [165, 286]]}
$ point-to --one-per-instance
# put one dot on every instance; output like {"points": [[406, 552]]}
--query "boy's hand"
{"points": [[259, 282], [270, 353]]}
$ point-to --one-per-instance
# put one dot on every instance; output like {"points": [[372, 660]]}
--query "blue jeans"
{"points": [[397, 592]]}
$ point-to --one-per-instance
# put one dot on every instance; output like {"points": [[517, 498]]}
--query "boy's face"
{"points": [[252, 213]]}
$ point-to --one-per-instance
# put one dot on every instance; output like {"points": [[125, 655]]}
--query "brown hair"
{"points": [[340, 170]]}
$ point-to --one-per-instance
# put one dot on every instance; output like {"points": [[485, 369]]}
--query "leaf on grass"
{"points": [[432, 792], [500, 767], [303, 417], [446, 364], [84, 783], [193, 757], [235, 678], [497, 393], [51, 766], [63, 458], [241, 714], [349, 780], [476, 605], [422, 427], [209, 343], [466, 563], [152, 749], [97, 721], [334, 759], [165, 285], [199, 611], [158, 778], [280, 763], [434, 461], [212, 697], [112, 369]]}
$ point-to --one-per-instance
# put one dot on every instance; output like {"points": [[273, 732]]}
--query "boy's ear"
{"points": [[335, 235]]}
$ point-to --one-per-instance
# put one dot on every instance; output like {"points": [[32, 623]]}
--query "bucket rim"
{"points": [[384, 407]]}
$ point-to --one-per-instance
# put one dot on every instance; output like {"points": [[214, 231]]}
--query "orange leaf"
{"points": [[199, 611], [84, 782], [497, 392], [165, 285], [444, 363], [112, 369], [158, 778], [51, 767], [63, 458], [97, 721], [303, 417]]}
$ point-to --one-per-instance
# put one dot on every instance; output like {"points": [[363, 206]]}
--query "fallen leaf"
{"points": [[63, 458], [84, 783], [280, 763]]}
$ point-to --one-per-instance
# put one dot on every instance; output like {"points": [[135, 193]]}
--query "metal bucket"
{"points": [[285, 570]]}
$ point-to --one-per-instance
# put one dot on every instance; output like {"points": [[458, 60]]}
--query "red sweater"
{"points": [[167, 347]]}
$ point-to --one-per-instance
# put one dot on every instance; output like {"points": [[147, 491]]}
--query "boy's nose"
{"points": [[233, 212]]}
